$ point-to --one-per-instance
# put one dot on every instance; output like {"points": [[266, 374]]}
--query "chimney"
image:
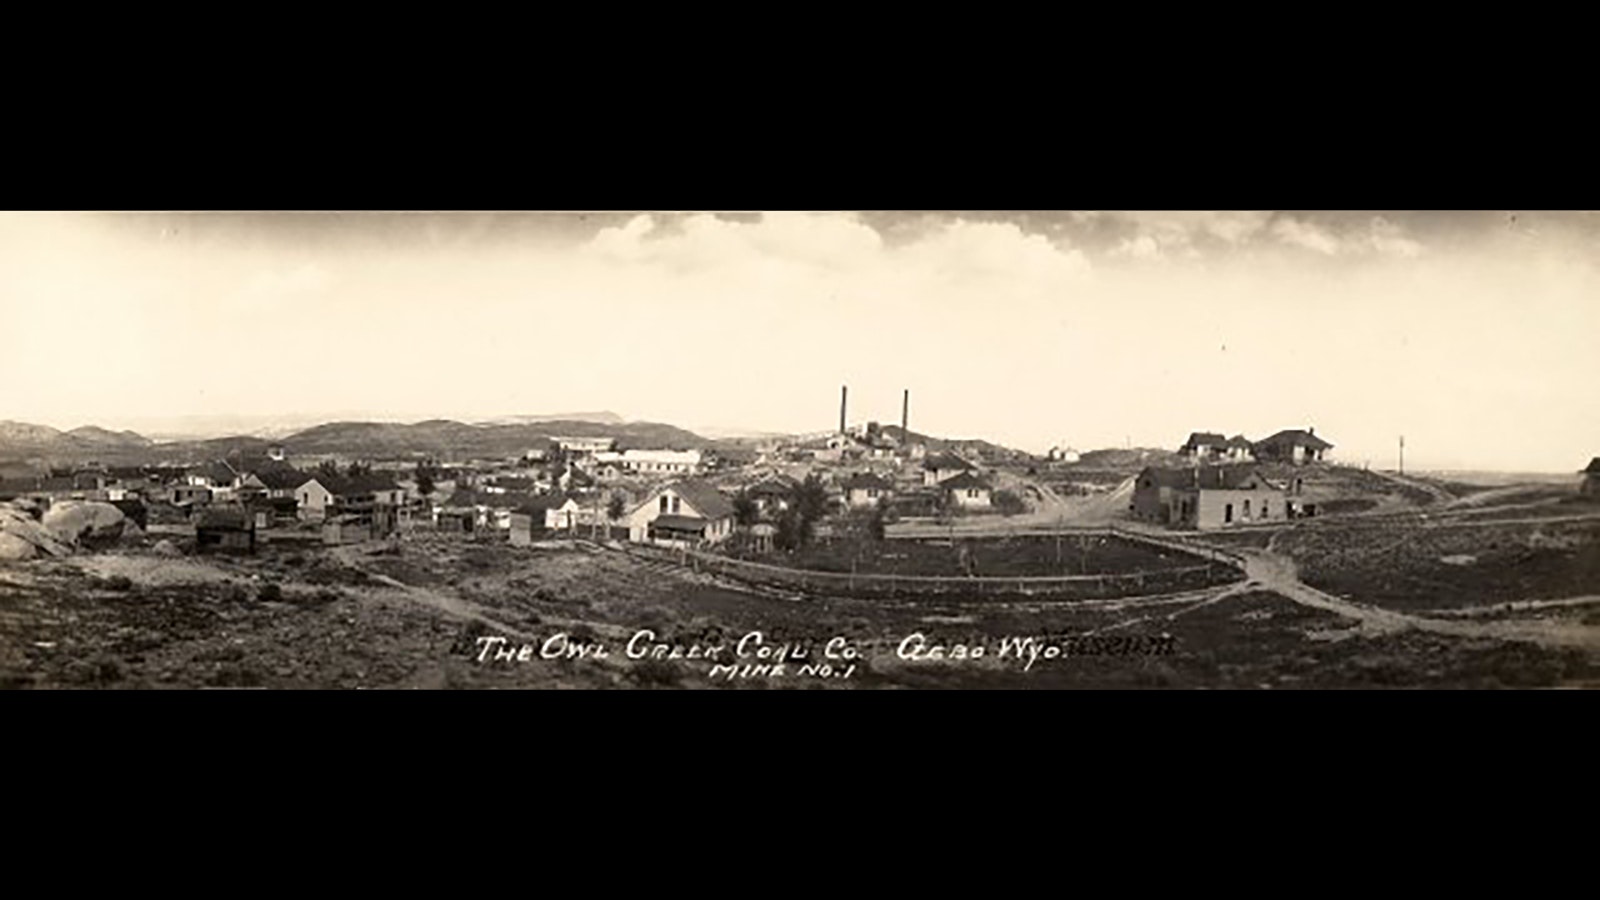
{"points": [[905, 414], [844, 394], [1311, 431]]}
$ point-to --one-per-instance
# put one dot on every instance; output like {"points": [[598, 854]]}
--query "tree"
{"points": [[745, 511], [810, 498], [425, 475], [617, 508], [328, 467], [808, 501], [1008, 503], [788, 534], [358, 468]]}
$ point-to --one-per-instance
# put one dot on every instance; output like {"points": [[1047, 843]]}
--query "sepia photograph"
{"points": [[1241, 450]]}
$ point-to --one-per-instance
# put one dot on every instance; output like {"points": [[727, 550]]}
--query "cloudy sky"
{"points": [[1472, 333]]}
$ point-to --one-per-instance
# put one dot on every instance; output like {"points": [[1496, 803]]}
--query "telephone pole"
{"points": [[1402, 454]]}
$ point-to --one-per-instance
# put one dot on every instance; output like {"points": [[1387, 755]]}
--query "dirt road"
{"points": [[1439, 494], [1052, 511], [1278, 573]]}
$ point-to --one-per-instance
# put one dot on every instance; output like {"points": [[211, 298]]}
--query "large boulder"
{"points": [[23, 538], [14, 548], [85, 523]]}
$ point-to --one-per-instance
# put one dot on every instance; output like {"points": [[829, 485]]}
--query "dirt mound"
{"points": [[85, 522], [23, 538]]}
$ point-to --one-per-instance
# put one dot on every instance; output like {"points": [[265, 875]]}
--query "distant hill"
{"points": [[448, 438], [94, 434], [1128, 459], [21, 434], [20, 441], [600, 418], [964, 446]]}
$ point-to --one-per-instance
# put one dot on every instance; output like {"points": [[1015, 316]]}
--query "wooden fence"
{"points": [[1220, 567]]}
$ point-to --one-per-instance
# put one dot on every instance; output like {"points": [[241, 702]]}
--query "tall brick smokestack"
{"points": [[905, 414], [844, 396]]}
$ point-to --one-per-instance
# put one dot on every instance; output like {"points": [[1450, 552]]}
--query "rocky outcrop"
{"points": [[22, 537], [84, 523]]}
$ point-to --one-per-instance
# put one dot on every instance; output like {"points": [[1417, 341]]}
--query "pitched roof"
{"points": [[1296, 437], [1205, 439], [866, 480], [508, 500], [706, 500], [679, 523], [281, 477], [224, 517], [276, 504], [1240, 440], [964, 481], [538, 505], [1594, 467], [1209, 478], [217, 471], [371, 482], [342, 485], [770, 487], [945, 461]]}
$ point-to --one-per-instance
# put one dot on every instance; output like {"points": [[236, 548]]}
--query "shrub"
{"points": [[269, 593], [119, 583], [1008, 503], [655, 673]]}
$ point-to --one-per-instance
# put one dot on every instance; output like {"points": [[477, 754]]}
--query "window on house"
{"points": [[674, 504], [663, 503], [1247, 509]]}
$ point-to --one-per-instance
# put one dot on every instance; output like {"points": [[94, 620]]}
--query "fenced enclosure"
{"points": [[1211, 567]]}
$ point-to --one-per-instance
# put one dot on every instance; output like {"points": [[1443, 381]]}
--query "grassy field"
{"points": [[412, 616], [1409, 566], [1025, 556]]}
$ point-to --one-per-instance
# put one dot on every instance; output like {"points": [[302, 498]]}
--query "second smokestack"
{"points": [[905, 415], [844, 395]]}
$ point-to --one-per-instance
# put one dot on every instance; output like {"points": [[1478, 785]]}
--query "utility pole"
{"points": [[1402, 454]]}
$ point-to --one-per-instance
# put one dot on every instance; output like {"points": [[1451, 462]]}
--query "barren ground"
{"points": [[1379, 603]]}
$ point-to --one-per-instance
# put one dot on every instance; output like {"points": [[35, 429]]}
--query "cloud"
{"points": [[964, 252], [1143, 247], [1185, 226], [1389, 239], [1306, 235], [828, 240], [1378, 235], [840, 248]]}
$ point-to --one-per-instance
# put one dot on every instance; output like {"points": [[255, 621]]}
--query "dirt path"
{"points": [[1267, 569], [1279, 574], [448, 604], [1439, 494], [1515, 606], [1054, 511]]}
